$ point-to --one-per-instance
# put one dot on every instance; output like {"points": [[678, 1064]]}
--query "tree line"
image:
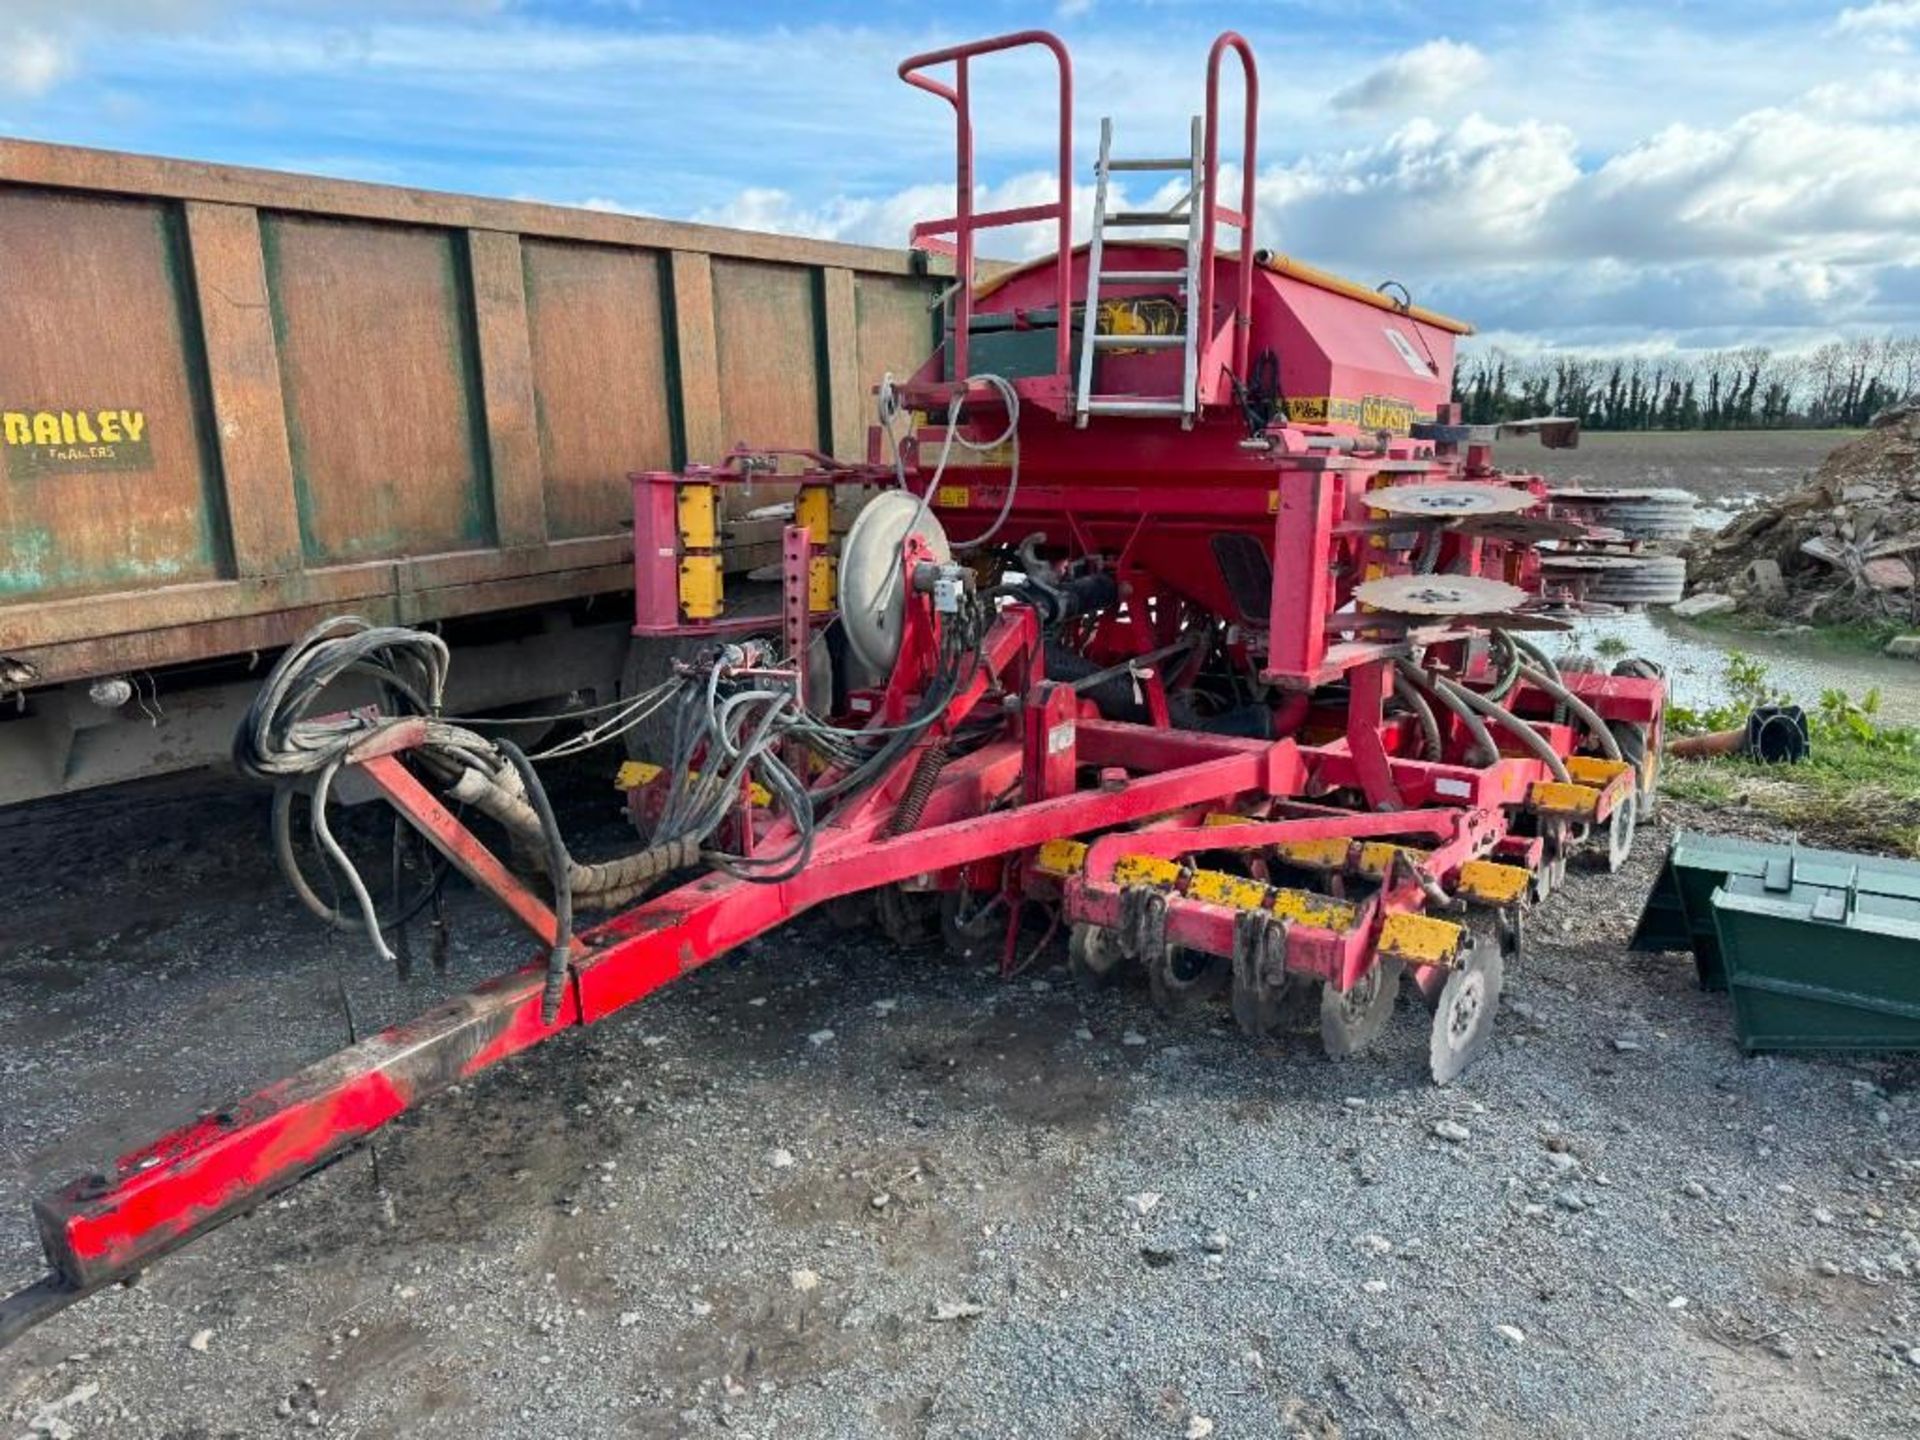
{"points": [[1841, 384]]}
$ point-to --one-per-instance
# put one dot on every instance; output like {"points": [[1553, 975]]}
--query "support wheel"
{"points": [[850, 912], [972, 927], [1351, 1019], [1463, 1020], [1094, 957], [1620, 829], [1182, 976], [906, 917]]}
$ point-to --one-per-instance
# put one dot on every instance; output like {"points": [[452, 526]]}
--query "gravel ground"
{"points": [[825, 1188]]}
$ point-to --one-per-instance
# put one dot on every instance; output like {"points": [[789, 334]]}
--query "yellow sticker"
{"points": [[58, 442], [951, 495]]}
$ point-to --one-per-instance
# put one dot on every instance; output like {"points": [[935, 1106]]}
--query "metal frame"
{"points": [[1111, 821]]}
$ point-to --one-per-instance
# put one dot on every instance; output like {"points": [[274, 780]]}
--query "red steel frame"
{"points": [[1308, 508], [964, 221]]}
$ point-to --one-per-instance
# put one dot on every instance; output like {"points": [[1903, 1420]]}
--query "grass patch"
{"points": [[1849, 794], [1858, 788]]}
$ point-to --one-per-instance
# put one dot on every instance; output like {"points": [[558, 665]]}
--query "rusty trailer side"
{"points": [[234, 400]]}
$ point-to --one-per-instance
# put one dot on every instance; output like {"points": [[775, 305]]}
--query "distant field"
{"points": [[1717, 465]]}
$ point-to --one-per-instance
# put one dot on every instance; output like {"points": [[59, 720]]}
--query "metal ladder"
{"points": [[1190, 211]]}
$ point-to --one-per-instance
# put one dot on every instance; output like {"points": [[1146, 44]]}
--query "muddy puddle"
{"points": [[1696, 661]]}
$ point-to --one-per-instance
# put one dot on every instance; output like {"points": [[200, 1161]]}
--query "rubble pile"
{"points": [[1845, 547]]}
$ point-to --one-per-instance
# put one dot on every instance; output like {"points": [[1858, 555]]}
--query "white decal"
{"points": [[1416, 362]]}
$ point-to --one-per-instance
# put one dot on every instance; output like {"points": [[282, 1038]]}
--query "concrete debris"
{"points": [[1844, 547], [1705, 602]]}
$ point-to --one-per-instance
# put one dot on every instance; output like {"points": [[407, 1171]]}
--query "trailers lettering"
{"points": [[65, 442]]}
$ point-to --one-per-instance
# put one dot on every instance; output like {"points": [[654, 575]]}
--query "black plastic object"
{"points": [[1778, 735]]}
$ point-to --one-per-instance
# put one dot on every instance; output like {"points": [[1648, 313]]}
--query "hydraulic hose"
{"points": [[1584, 712], [1411, 697], [1500, 715], [1485, 752]]}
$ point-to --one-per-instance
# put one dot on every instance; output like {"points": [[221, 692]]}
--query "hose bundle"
{"points": [[733, 723], [283, 742]]}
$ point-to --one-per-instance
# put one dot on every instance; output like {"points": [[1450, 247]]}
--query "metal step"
{"points": [[1140, 342], [1142, 277], [1144, 217], [1116, 405], [1171, 162]]}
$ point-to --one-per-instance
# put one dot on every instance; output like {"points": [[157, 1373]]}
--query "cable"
{"points": [[889, 410]]}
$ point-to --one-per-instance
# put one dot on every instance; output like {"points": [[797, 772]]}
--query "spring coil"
{"points": [[926, 771]]}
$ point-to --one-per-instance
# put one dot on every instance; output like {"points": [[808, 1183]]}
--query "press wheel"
{"points": [[1094, 957], [1183, 975], [1463, 1020], [1351, 1019], [1620, 830]]}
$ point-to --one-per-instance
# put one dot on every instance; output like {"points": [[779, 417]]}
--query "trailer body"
{"points": [[233, 401]]}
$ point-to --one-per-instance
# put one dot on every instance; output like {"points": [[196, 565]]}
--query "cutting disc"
{"points": [[1440, 595], [1520, 529], [872, 588], [1451, 501]]}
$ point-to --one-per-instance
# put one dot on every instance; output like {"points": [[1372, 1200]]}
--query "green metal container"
{"points": [[1820, 949]]}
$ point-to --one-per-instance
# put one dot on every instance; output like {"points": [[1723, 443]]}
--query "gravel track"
{"points": [[712, 1216]]}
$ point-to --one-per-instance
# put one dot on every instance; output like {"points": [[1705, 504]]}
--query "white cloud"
{"points": [[41, 40], [1415, 79], [887, 220], [32, 62], [1792, 215], [1885, 25]]}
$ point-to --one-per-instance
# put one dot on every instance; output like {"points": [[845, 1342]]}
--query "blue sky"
{"points": [[1686, 174]]}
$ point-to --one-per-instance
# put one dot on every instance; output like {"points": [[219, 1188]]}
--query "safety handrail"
{"points": [[1214, 211], [963, 222]]}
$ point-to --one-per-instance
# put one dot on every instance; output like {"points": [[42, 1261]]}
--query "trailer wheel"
{"points": [[1094, 957], [1351, 1019]]}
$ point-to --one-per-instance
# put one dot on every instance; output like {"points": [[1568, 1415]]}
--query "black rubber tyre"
{"points": [[650, 662], [907, 918], [1632, 739]]}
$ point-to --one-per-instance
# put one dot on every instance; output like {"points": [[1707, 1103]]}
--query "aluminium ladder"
{"points": [[1190, 211]]}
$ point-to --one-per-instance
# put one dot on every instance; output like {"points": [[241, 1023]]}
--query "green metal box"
{"points": [[1820, 949]]}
